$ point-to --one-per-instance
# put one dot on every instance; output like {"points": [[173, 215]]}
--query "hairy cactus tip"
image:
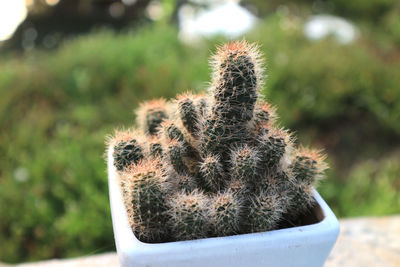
{"points": [[150, 115], [189, 215], [237, 80], [145, 193], [188, 112], [264, 117], [127, 147], [265, 211], [176, 151], [275, 146], [308, 165], [225, 213], [214, 164], [211, 170], [244, 162]]}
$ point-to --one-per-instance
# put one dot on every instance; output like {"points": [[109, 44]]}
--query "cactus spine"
{"points": [[189, 215], [145, 199], [150, 115], [216, 164], [127, 148], [225, 212], [188, 113]]}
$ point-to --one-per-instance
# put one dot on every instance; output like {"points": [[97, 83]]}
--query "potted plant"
{"points": [[211, 180]]}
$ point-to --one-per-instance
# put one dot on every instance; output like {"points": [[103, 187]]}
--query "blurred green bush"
{"points": [[372, 188], [56, 109], [325, 81], [372, 11]]}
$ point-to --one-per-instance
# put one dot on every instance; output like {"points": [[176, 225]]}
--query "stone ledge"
{"points": [[362, 242], [367, 242], [100, 260]]}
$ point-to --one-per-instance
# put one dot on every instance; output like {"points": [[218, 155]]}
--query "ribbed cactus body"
{"points": [[304, 169], [264, 212], [214, 137], [262, 115], [300, 199], [202, 105], [264, 118], [271, 148], [145, 194], [189, 215], [151, 114], [235, 90], [127, 152], [211, 173], [153, 120], [225, 213], [172, 132], [308, 166], [175, 153], [245, 163], [182, 183], [155, 149], [188, 114], [214, 164]]}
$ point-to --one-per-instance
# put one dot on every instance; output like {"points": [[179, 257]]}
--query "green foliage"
{"points": [[373, 184], [348, 82], [359, 10]]}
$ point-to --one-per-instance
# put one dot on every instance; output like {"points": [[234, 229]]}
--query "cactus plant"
{"points": [[214, 164]]}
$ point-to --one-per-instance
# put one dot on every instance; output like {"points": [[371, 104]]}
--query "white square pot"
{"points": [[307, 245]]}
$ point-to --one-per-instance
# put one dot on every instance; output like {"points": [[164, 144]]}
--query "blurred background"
{"points": [[72, 70]]}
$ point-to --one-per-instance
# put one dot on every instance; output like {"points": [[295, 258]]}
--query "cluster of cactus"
{"points": [[214, 164]]}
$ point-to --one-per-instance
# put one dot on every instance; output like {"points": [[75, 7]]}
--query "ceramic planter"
{"points": [[307, 245]]}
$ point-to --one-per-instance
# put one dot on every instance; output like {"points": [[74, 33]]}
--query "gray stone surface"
{"points": [[106, 259], [367, 242], [362, 242]]}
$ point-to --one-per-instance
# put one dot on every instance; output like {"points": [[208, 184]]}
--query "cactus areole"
{"points": [[215, 164]]}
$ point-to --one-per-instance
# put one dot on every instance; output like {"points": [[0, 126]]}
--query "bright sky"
{"points": [[12, 12], [225, 17]]}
